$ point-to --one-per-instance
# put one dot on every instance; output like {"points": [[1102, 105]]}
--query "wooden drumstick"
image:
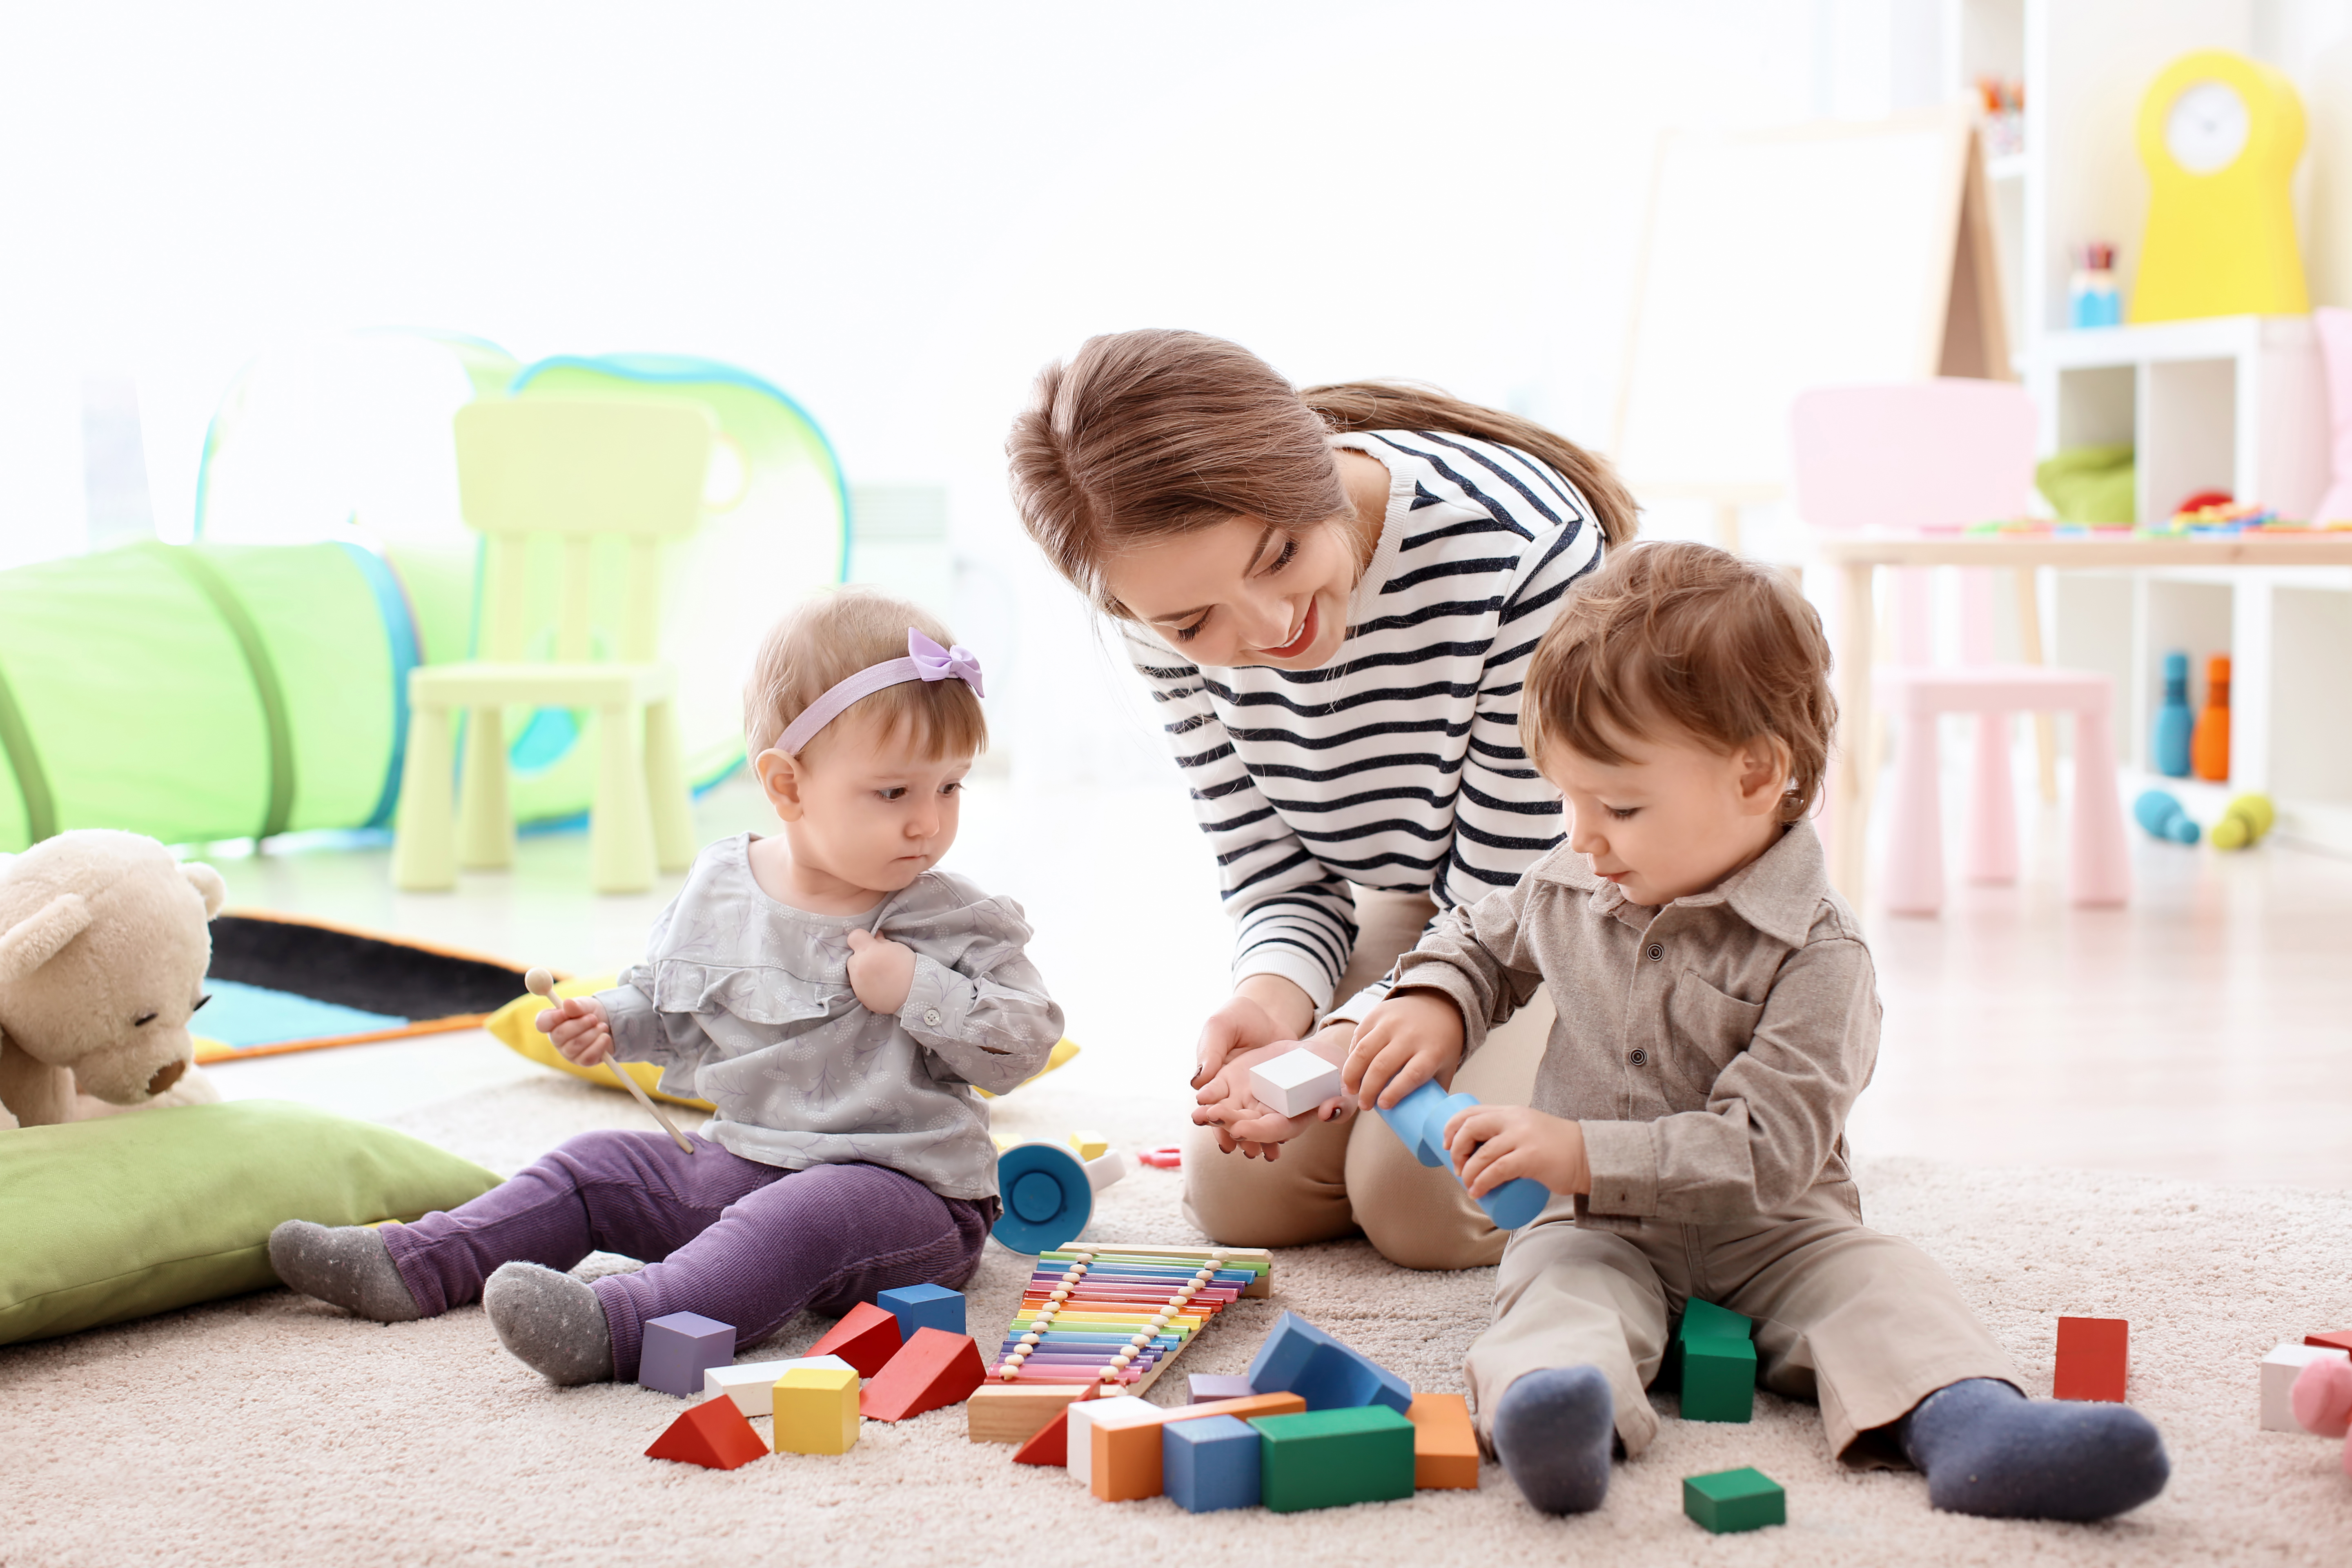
{"points": [[542, 983]]}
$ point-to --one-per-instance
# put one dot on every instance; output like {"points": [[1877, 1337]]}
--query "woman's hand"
{"points": [[1401, 1044], [581, 1031], [880, 971], [1492, 1144], [1227, 1103], [1264, 1010]]}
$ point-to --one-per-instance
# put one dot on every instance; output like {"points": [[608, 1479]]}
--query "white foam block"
{"points": [[752, 1384], [1295, 1083], [1078, 1450], [2280, 1369]]}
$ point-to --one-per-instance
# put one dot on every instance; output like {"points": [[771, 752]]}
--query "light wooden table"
{"points": [[1859, 557]]}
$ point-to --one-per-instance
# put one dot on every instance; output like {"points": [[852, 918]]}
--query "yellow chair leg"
{"points": [[620, 826], [485, 823], [673, 804], [423, 846]]}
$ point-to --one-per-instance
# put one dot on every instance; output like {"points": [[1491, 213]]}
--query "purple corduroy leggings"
{"points": [[730, 1238]]}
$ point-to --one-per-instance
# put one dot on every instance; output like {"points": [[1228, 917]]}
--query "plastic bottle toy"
{"points": [[2244, 822], [2208, 747], [1420, 1119], [2168, 740], [2162, 816]]}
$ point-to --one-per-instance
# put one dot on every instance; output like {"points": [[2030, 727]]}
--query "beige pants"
{"points": [[1340, 1177], [1865, 1323]]}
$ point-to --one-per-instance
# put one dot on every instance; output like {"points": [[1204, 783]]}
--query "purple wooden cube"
{"points": [[1208, 1385], [679, 1349]]}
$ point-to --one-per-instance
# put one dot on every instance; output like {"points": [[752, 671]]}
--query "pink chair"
{"points": [[1940, 455]]}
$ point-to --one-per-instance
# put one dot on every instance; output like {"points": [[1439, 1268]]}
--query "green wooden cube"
{"points": [[1706, 1321], [1328, 1459], [1719, 1380], [1731, 1500]]}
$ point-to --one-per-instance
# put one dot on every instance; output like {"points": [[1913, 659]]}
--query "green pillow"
{"points": [[105, 1220]]}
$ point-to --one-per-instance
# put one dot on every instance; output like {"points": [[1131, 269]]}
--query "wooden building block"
{"points": [[932, 1370], [1051, 1445], [1719, 1380], [1125, 1410], [1445, 1445], [816, 1409], [679, 1349], [749, 1384], [923, 1307], [1210, 1464], [867, 1339], [1328, 1459], [1013, 1412], [2093, 1355], [1090, 1146], [1295, 1082], [1207, 1385], [2335, 1339], [2279, 1371], [713, 1434], [1729, 1501], [1127, 1451], [1299, 1358]]}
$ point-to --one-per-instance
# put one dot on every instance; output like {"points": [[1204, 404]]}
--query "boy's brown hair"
{"points": [[832, 636], [1691, 637]]}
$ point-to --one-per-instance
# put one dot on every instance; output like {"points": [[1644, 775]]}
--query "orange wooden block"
{"points": [[713, 1433], [1444, 1446], [867, 1339], [932, 1370], [2093, 1355], [1127, 1458]]}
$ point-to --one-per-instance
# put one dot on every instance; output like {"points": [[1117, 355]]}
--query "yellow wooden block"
{"points": [[817, 1410], [1090, 1146]]}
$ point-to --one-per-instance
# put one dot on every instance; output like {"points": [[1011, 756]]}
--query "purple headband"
{"points": [[925, 660]]}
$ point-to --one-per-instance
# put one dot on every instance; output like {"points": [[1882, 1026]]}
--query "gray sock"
{"points": [[550, 1321], [345, 1265], [1553, 1430], [1988, 1449]]}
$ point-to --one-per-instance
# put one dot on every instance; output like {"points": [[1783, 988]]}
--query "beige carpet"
{"points": [[271, 1429]]}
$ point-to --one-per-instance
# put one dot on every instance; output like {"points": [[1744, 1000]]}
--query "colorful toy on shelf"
{"points": [[2220, 135], [2163, 815], [2244, 822], [713, 1434], [1120, 1315], [2094, 1357], [816, 1410], [1329, 1458], [1445, 1445], [923, 1307], [2168, 738], [679, 1347], [1730, 1500], [1049, 1194], [1714, 1356], [1420, 1119], [1295, 1082], [2209, 746], [1299, 1358], [2280, 1372], [2092, 299]]}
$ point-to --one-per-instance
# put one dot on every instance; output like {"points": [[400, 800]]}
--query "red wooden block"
{"points": [[713, 1433], [2340, 1339], [932, 1370], [1051, 1445], [2093, 1354], [867, 1339]]}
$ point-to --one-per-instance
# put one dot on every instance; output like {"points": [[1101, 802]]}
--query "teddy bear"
{"points": [[103, 947]]}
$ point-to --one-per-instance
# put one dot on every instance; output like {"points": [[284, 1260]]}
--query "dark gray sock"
{"points": [[345, 1265], [1552, 1431], [550, 1321], [1988, 1449]]}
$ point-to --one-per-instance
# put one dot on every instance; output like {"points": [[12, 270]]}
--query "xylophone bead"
{"points": [[1139, 1340], [1061, 1293], [1029, 1339]]}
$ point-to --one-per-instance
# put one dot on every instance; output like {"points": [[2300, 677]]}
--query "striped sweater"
{"points": [[1396, 765]]}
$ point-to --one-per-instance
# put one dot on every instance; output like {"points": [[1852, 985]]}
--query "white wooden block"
{"points": [[1294, 1084], [752, 1384], [2280, 1369], [1079, 1448]]}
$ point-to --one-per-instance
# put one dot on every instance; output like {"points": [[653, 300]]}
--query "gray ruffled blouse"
{"points": [[745, 1001]]}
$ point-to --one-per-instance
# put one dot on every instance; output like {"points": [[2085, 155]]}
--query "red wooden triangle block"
{"points": [[1051, 1445], [713, 1433], [2340, 1339], [867, 1339], [932, 1370]]}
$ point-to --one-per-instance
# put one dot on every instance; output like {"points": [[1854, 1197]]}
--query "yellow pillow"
{"points": [[515, 1025]]}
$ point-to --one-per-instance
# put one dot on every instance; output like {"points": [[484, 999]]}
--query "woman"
{"points": [[1332, 595]]}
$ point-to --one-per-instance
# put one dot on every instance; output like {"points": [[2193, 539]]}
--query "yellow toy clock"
{"points": [[2219, 134]]}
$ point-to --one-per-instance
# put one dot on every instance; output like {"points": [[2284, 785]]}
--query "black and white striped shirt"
{"points": [[1398, 764]]}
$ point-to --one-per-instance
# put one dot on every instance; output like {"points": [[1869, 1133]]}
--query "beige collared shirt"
{"points": [[1710, 1049]]}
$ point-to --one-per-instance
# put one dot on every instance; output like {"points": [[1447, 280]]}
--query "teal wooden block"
{"points": [[1328, 1459], [1719, 1380], [1730, 1500], [1706, 1321]]}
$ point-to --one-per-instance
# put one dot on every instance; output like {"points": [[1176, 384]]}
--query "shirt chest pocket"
{"points": [[1719, 1026]]}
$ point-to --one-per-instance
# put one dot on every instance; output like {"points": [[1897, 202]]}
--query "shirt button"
{"points": [[1658, 951], [930, 1015], [1638, 1057]]}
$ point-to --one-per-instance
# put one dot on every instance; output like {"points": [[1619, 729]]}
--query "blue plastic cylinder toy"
{"points": [[2156, 811], [1420, 1120], [2168, 738]]}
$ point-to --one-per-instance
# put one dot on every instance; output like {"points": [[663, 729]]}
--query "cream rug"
{"points": [[274, 1430]]}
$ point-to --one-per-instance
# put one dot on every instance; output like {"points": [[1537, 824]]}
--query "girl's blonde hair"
{"points": [[832, 636], [1146, 436], [1692, 637]]}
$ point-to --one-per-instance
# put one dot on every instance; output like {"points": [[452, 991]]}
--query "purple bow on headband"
{"points": [[925, 660]]}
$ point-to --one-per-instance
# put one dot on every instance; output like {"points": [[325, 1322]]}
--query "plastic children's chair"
{"points": [[581, 471], [1940, 455]]}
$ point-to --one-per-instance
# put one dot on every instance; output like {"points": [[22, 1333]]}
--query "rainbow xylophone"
{"points": [[1119, 1314]]}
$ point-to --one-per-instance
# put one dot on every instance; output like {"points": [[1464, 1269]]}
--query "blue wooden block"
{"points": [[1419, 1120], [1299, 1358], [1209, 1464], [679, 1349], [1206, 1386], [923, 1307]]}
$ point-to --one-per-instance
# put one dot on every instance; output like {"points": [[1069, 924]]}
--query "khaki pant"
{"points": [[1340, 1177], [1865, 1323]]}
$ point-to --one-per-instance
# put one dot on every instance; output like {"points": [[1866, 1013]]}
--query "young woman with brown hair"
{"points": [[1332, 593]]}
